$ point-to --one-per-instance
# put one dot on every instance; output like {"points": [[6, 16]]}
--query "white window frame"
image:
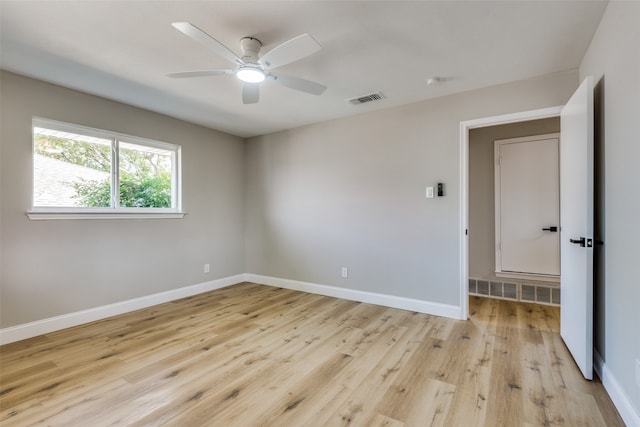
{"points": [[115, 211]]}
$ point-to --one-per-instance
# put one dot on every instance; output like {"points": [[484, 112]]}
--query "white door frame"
{"points": [[465, 126]]}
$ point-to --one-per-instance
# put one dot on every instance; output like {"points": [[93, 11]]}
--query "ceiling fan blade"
{"points": [[205, 39], [290, 51], [250, 93], [200, 73], [299, 84]]}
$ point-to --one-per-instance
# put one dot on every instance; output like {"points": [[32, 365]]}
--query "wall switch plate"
{"points": [[345, 272], [429, 192], [207, 268]]}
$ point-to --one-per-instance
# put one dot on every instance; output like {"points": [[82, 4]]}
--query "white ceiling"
{"points": [[123, 50]]}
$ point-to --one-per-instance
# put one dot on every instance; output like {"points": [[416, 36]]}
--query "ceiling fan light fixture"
{"points": [[250, 74], [251, 68]]}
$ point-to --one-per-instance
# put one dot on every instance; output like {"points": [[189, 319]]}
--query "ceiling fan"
{"points": [[252, 68]]}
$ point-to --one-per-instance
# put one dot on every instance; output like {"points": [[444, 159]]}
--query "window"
{"points": [[80, 172]]}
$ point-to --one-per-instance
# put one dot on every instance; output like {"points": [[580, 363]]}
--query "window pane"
{"points": [[70, 170], [145, 176]]}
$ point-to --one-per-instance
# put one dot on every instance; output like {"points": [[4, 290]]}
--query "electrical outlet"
{"points": [[345, 272], [207, 268], [638, 372]]}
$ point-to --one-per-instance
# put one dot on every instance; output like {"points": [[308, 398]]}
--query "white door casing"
{"points": [[576, 226]]}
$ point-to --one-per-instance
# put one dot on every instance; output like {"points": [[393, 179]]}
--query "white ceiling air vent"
{"points": [[377, 96]]}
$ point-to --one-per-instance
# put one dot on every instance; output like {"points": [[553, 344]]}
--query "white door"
{"points": [[528, 205], [576, 226]]}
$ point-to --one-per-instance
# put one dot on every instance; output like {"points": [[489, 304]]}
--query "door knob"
{"points": [[579, 241], [553, 229]]}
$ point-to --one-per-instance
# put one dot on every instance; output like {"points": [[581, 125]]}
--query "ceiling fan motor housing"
{"points": [[250, 49]]}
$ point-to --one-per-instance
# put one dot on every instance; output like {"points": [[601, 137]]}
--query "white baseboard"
{"points": [[51, 324], [420, 306], [44, 326], [616, 392]]}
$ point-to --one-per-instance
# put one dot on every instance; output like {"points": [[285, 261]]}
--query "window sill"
{"points": [[55, 215]]}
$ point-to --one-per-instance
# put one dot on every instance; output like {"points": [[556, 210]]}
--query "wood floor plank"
{"points": [[297, 390], [507, 391], [322, 396], [381, 421], [252, 355], [413, 392], [474, 380], [359, 406]]}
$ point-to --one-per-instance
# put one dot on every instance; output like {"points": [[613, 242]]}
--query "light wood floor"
{"points": [[251, 355]]}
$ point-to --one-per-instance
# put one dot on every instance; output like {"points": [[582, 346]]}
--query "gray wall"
{"points": [[613, 59], [351, 193], [50, 268], [343, 193], [482, 255]]}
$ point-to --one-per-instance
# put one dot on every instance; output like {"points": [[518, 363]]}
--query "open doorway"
{"points": [[483, 259], [511, 204]]}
